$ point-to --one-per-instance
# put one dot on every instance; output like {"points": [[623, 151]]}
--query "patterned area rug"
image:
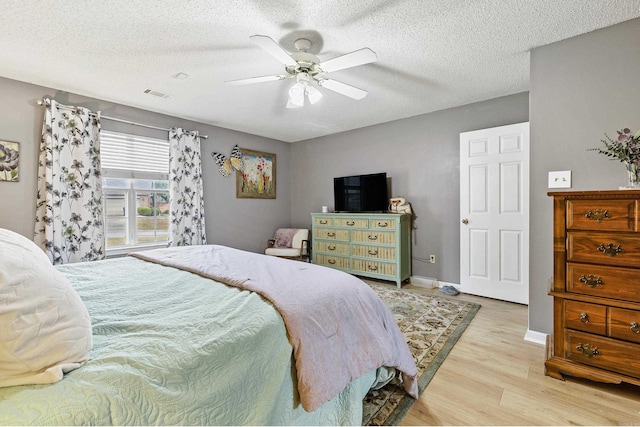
{"points": [[432, 325]]}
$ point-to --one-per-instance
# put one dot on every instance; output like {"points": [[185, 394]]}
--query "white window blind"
{"points": [[132, 156]]}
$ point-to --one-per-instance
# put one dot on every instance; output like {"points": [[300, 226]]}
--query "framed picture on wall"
{"points": [[258, 179], [9, 156]]}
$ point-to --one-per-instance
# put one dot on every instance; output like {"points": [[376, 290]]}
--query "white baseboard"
{"points": [[536, 337], [424, 282], [431, 283], [455, 285]]}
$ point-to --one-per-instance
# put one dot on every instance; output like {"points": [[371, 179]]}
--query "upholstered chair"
{"points": [[290, 243]]}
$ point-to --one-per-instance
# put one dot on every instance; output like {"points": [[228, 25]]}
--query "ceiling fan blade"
{"points": [[343, 88], [348, 60], [273, 48], [252, 80]]}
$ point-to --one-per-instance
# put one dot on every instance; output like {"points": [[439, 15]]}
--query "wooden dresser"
{"points": [[596, 286], [371, 245]]}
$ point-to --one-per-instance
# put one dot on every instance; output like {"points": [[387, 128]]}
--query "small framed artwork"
{"points": [[9, 156], [257, 180]]}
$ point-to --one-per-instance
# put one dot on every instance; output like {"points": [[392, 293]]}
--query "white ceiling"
{"points": [[432, 54]]}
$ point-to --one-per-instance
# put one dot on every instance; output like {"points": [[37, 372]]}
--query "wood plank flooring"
{"points": [[494, 377]]}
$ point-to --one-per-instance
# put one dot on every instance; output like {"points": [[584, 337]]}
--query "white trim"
{"points": [[424, 282], [536, 337], [455, 285]]}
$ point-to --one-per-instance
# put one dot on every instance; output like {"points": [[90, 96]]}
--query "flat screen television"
{"points": [[361, 193]]}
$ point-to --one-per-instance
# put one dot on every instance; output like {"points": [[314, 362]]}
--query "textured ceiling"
{"points": [[432, 54]]}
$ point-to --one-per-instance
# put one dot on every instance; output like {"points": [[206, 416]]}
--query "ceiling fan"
{"points": [[307, 68]]}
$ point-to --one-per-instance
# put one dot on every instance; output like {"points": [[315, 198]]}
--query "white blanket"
{"points": [[338, 327]]}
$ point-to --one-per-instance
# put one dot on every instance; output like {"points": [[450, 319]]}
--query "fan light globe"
{"points": [[296, 96], [313, 94]]}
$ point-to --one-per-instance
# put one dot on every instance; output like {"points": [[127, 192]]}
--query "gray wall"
{"points": [[242, 223], [421, 156], [580, 88]]}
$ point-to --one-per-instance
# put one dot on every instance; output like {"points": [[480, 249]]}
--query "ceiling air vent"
{"points": [[156, 93]]}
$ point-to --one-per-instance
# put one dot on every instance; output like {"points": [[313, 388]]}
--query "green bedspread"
{"points": [[171, 347]]}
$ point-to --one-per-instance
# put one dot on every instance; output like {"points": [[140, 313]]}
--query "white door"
{"points": [[494, 212]]}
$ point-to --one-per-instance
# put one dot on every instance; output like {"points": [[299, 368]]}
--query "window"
{"points": [[135, 183]]}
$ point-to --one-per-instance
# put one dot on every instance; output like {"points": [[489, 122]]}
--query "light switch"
{"points": [[560, 179]]}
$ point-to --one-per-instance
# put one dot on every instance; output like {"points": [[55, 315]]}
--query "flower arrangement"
{"points": [[626, 149]]}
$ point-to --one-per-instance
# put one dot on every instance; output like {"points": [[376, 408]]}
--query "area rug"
{"points": [[431, 325]]}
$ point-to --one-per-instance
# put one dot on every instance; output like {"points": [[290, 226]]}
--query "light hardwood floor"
{"points": [[494, 377]]}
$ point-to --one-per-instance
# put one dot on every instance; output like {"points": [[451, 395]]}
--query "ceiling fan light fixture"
{"points": [[296, 95], [306, 67], [313, 94]]}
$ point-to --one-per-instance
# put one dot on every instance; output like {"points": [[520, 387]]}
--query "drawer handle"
{"points": [[350, 223], [633, 326], [373, 237], [324, 222], [588, 350], [331, 261], [331, 248], [591, 280], [383, 224], [374, 252], [372, 267], [610, 250], [598, 215], [584, 317], [331, 234]]}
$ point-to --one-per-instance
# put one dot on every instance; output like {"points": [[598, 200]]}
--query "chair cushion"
{"points": [[290, 237], [288, 252], [302, 234]]}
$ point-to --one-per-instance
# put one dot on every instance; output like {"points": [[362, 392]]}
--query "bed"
{"points": [[170, 345]]}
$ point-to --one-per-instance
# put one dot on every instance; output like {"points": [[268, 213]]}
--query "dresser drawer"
{"points": [[624, 324], [383, 268], [333, 261], [331, 247], [610, 215], [602, 281], [379, 252], [323, 221], [331, 234], [585, 317], [352, 222], [383, 223], [621, 249], [374, 237], [606, 353]]}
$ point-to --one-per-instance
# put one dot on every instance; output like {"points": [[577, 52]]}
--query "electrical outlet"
{"points": [[560, 179], [432, 259]]}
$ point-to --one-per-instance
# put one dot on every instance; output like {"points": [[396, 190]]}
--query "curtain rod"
{"points": [[128, 122]]}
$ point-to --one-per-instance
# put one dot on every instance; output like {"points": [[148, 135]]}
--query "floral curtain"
{"points": [[186, 212], [69, 223]]}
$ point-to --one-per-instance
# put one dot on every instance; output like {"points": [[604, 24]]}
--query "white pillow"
{"points": [[45, 329]]}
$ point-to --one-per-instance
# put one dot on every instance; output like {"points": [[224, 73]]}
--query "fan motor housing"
{"points": [[307, 63]]}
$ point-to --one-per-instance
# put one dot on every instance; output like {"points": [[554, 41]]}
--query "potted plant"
{"points": [[626, 149]]}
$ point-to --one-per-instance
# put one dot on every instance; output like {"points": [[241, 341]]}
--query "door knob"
{"points": [[465, 221]]}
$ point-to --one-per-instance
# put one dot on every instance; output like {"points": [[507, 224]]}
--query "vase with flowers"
{"points": [[626, 149]]}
